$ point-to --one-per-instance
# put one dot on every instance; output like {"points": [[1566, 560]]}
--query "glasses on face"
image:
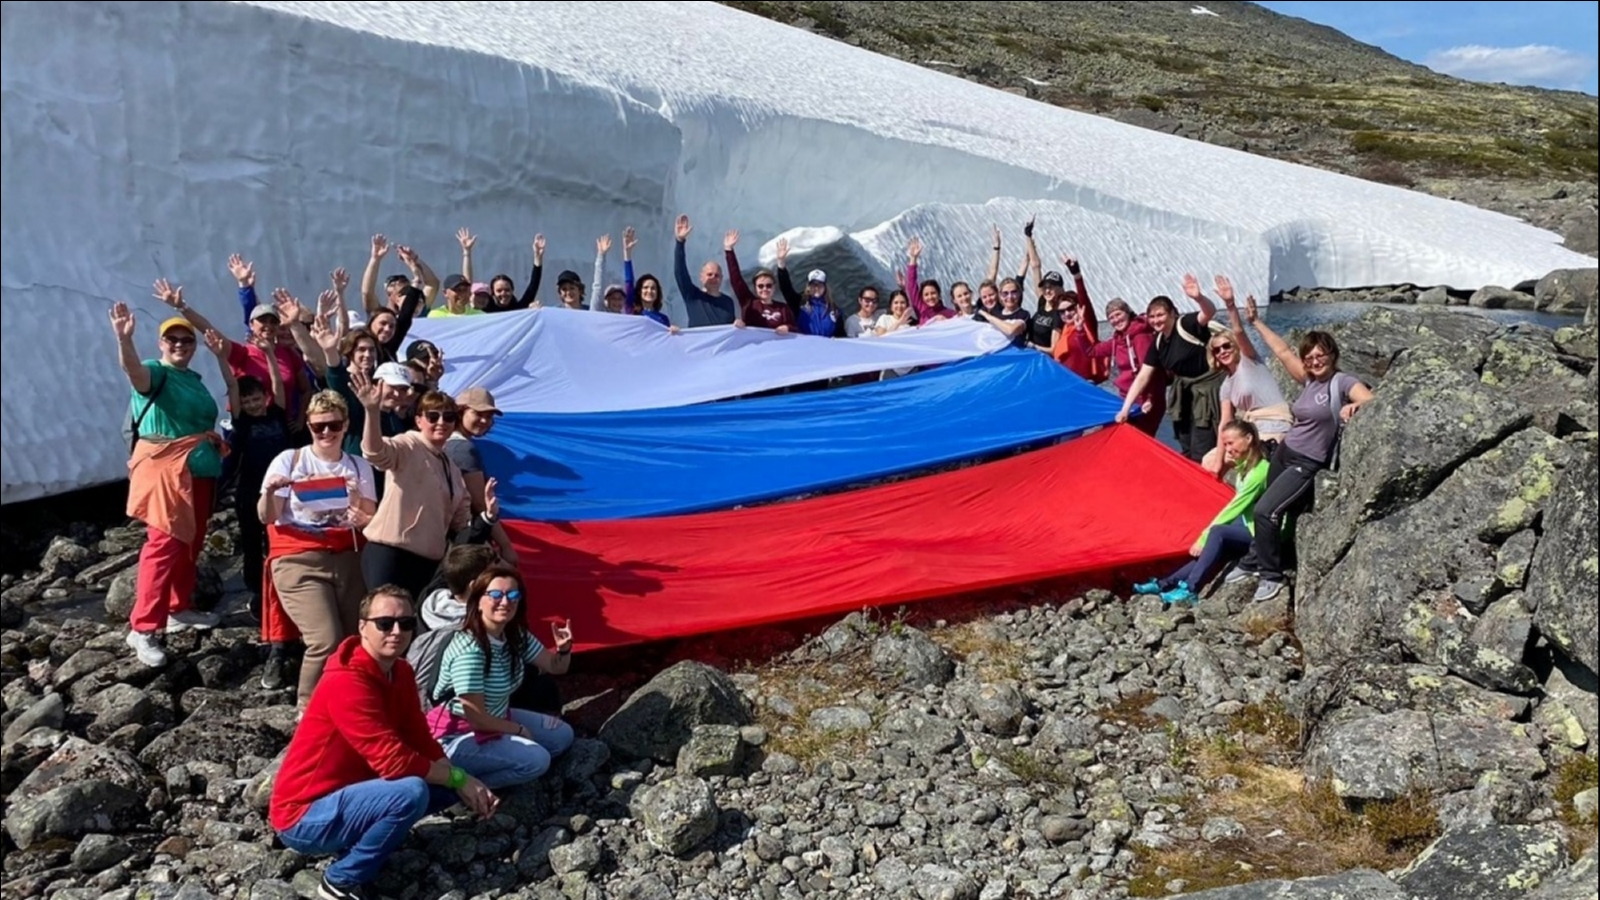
{"points": [[1218, 348], [325, 427], [180, 341], [435, 416], [499, 596], [1316, 357], [1008, 293], [387, 624], [764, 286]]}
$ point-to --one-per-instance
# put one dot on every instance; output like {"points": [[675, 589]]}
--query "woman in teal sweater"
{"points": [[1228, 536]]}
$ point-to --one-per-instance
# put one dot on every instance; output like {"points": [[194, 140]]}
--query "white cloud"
{"points": [[1533, 64]]}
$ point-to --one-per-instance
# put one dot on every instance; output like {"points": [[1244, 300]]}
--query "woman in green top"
{"points": [[1228, 536], [480, 670], [173, 412]]}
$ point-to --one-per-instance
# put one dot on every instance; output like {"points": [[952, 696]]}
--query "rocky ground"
{"points": [[1418, 721], [1254, 80]]}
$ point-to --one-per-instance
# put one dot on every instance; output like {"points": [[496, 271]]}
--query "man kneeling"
{"points": [[362, 767]]}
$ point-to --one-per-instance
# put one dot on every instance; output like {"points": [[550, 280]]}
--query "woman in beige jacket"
{"points": [[424, 500]]}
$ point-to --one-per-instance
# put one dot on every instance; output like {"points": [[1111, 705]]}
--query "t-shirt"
{"points": [[248, 359], [257, 441], [1252, 386], [320, 495], [1042, 326], [461, 671], [768, 315], [1178, 355], [444, 312], [855, 327], [1316, 417], [181, 407], [1016, 315], [464, 453]]}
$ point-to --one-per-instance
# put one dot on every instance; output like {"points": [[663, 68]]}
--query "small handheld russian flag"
{"points": [[321, 498]]}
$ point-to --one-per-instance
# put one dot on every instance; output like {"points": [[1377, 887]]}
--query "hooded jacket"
{"points": [[360, 725]]}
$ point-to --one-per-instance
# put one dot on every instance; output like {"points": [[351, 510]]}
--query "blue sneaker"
{"points": [[1151, 587], [1180, 595]]}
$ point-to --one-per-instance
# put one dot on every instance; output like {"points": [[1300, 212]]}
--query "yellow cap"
{"points": [[177, 322]]}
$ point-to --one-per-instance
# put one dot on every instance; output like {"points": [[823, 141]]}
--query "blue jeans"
{"points": [[370, 820], [508, 760], [1224, 543]]}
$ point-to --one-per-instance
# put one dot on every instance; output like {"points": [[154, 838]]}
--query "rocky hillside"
{"points": [[1418, 722], [1254, 80]]}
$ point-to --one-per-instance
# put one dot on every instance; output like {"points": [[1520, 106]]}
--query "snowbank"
{"points": [[153, 139]]}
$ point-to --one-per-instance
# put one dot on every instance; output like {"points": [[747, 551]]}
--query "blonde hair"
{"points": [[325, 402]]}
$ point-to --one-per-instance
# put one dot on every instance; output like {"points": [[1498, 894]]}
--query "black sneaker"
{"points": [[254, 609], [272, 670], [329, 891]]}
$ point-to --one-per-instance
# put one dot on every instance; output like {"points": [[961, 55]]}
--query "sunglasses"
{"points": [[325, 427], [1008, 293], [435, 416], [763, 287], [499, 596], [1221, 346], [180, 341], [387, 624]]}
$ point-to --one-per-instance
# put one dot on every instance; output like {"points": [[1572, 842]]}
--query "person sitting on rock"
{"points": [[481, 668], [172, 475], [1329, 399], [1228, 536], [362, 768], [1249, 391]]}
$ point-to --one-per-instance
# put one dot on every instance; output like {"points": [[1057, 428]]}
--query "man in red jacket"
{"points": [[362, 767]]}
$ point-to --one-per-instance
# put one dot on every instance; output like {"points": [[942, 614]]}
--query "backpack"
{"points": [[426, 652], [131, 430], [1338, 423]]}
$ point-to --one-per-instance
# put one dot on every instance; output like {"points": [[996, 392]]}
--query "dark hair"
{"points": [[385, 590], [638, 292], [1012, 281], [959, 284], [927, 283], [876, 292], [516, 636], [249, 384], [465, 562], [1248, 429], [1320, 340], [512, 285], [347, 346], [394, 280], [435, 400], [763, 273], [1162, 300], [381, 311]]}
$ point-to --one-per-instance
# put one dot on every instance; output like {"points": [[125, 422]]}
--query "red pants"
{"points": [[168, 566]]}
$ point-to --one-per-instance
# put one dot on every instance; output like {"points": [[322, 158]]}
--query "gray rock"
{"points": [[1586, 804], [1434, 296], [212, 739], [64, 558], [1506, 627], [1567, 291], [97, 852], [912, 659], [1495, 800], [1562, 585], [48, 711], [1430, 689], [82, 663], [582, 855], [1432, 637], [1221, 828], [1576, 882], [78, 761], [678, 814], [840, 718], [924, 735], [116, 707], [999, 708], [122, 593], [1357, 884], [1385, 756], [935, 882], [72, 810], [712, 750], [1488, 862], [1525, 365], [1496, 297], [661, 716]]}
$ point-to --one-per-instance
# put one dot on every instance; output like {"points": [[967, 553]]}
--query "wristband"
{"points": [[565, 652], [458, 778]]}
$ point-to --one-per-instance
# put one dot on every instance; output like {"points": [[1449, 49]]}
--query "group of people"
{"points": [[372, 544]]}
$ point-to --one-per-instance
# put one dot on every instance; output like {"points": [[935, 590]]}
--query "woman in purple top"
{"points": [[1328, 399], [927, 297]]}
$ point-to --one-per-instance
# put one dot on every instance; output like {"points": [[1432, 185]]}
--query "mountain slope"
{"points": [[1254, 80]]}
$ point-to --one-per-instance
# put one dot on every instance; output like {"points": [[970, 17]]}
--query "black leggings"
{"points": [[382, 565], [1291, 483]]}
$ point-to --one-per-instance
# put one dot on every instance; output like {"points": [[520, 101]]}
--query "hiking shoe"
{"points": [[327, 890], [191, 619], [1151, 587], [147, 648], [1267, 589], [1238, 574], [272, 671], [1181, 595]]}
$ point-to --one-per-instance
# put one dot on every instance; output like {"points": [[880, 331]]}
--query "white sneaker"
{"points": [[147, 648], [191, 618]]}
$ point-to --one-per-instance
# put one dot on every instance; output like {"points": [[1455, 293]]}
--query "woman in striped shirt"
{"points": [[480, 670]]}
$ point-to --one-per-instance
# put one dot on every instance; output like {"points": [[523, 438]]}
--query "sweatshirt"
{"points": [[1251, 485], [360, 724]]}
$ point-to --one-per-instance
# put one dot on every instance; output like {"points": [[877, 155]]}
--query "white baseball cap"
{"points": [[393, 373], [817, 276]]}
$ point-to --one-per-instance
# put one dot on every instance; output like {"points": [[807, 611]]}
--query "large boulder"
{"points": [[1562, 583], [1387, 756], [73, 810], [1527, 365], [1442, 550], [1357, 884], [1567, 291], [1429, 416], [1486, 862], [658, 720]]}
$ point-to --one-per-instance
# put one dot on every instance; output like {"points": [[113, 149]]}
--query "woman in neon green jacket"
{"points": [[1229, 535]]}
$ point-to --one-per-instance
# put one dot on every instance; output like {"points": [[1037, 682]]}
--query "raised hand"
{"points": [[602, 244], [287, 306], [1191, 287], [465, 238], [380, 246], [1225, 289], [629, 240], [325, 336], [328, 302], [731, 239], [1250, 311], [681, 229], [996, 236], [122, 322], [407, 256], [1027, 229], [169, 294], [340, 279], [538, 247], [243, 270], [914, 249], [491, 503], [562, 634], [1070, 261], [783, 252], [217, 344], [369, 393]]}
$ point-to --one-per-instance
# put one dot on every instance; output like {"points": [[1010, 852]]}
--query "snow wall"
{"points": [[146, 140]]}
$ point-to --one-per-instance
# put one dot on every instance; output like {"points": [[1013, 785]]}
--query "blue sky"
{"points": [[1547, 44]]}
